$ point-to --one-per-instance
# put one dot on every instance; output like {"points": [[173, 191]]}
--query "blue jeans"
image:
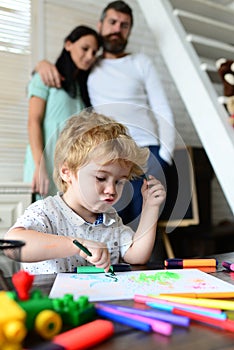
{"points": [[130, 205]]}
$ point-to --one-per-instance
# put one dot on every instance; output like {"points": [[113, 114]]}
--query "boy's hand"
{"points": [[100, 254], [153, 192]]}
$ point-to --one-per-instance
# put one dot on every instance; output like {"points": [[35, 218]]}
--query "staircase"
{"points": [[192, 35]]}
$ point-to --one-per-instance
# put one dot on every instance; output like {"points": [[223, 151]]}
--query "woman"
{"points": [[50, 107]]}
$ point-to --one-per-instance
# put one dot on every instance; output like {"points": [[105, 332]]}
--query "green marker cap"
{"points": [[89, 269], [92, 269]]}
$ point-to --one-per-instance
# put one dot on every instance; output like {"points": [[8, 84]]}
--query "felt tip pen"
{"points": [[136, 321], [120, 318], [170, 308], [158, 315], [89, 269], [180, 263], [212, 303], [121, 267], [81, 337], [211, 295], [223, 324], [93, 269], [163, 304], [84, 249], [228, 265]]}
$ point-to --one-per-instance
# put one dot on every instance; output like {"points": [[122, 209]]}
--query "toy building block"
{"points": [[46, 315], [74, 312], [22, 282], [12, 323]]}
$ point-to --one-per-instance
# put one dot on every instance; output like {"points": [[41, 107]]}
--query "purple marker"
{"points": [[228, 265], [121, 316], [158, 315]]}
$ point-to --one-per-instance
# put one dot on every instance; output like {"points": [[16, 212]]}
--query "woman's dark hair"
{"points": [[69, 70]]}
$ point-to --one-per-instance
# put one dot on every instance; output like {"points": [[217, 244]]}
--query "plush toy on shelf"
{"points": [[225, 69]]}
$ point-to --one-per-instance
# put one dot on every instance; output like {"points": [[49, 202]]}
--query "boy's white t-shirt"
{"points": [[52, 215]]}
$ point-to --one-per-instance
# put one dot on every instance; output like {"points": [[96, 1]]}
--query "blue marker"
{"points": [[219, 316], [124, 320], [157, 315]]}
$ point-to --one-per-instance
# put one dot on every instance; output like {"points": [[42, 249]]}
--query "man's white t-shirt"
{"points": [[129, 89]]}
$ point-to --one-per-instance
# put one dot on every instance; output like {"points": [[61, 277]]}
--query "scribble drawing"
{"points": [[99, 287], [96, 279], [201, 284], [159, 277]]}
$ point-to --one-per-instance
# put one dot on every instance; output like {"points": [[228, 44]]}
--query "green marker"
{"points": [[84, 249], [89, 269], [111, 270], [93, 269]]}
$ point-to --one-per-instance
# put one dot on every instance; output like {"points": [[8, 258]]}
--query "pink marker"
{"points": [[143, 299], [228, 265], [156, 325]]}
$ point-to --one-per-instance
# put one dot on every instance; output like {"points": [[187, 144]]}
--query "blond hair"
{"points": [[92, 136]]}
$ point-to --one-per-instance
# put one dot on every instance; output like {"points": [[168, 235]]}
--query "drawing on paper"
{"points": [[99, 287]]}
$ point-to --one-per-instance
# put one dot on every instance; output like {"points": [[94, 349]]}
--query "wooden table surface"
{"points": [[196, 337]]}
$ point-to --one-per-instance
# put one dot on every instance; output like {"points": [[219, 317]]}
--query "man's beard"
{"points": [[114, 46]]}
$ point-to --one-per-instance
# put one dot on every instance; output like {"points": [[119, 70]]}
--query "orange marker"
{"points": [[180, 263]]}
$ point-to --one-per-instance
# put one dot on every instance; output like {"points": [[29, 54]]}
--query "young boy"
{"points": [[94, 157]]}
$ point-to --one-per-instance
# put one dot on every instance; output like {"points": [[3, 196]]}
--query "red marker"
{"points": [[80, 338], [228, 325]]}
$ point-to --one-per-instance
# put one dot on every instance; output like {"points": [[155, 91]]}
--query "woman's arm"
{"points": [[143, 241], [40, 181]]}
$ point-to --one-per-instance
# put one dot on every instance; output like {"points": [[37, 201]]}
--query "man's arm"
{"points": [[49, 74]]}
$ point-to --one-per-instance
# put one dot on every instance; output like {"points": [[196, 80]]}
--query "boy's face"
{"points": [[97, 187]]}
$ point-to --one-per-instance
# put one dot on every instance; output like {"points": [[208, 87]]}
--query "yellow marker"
{"points": [[211, 295], [212, 303]]}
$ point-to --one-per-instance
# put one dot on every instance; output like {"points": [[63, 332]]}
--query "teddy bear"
{"points": [[225, 69]]}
